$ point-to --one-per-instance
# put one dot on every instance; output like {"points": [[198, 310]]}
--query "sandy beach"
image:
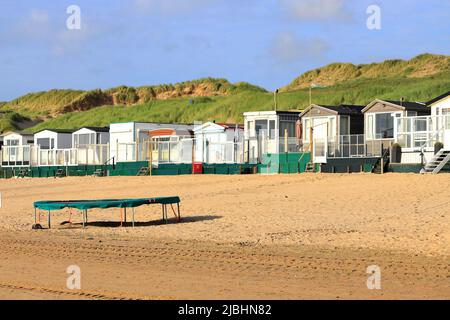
{"points": [[250, 237]]}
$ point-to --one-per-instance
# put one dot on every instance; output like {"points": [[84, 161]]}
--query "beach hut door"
{"points": [[446, 125], [320, 134], [320, 150]]}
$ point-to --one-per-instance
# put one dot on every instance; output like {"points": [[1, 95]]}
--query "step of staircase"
{"points": [[439, 161]]}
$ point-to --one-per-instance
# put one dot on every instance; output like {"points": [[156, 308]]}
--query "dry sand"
{"points": [[252, 237]]}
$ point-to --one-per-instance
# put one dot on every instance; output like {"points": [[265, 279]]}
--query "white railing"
{"points": [[353, 146], [181, 151], [222, 152], [344, 146], [55, 157], [16, 156], [421, 133], [34, 156], [257, 146], [92, 154]]}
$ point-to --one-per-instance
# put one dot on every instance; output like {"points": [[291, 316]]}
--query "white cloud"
{"points": [[286, 48], [320, 10]]}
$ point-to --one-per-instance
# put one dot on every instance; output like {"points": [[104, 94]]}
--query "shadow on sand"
{"points": [[115, 224]]}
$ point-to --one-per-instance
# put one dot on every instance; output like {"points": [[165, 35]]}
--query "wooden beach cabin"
{"points": [[380, 117], [330, 127]]}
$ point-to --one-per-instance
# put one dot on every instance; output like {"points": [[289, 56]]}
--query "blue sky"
{"points": [[145, 42]]}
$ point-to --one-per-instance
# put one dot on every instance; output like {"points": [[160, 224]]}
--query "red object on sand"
{"points": [[197, 168]]}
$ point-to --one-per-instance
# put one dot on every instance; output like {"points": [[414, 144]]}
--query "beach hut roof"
{"points": [[96, 129], [343, 109], [437, 99], [402, 105], [57, 131]]}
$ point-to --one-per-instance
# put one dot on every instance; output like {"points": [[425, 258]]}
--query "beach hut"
{"points": [[170, 134], [53, 147], [92, 145], [171, 145], [380, 117], [90, 136], [16, 149], [419, 135], [330, 127], [218, 142], [440, 109], [51, 139], [127, 139], [17, 139], [266, 132]]}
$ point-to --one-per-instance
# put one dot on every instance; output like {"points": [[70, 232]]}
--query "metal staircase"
{"points": [[438, 162], [60, 173], [383, 163], [310, 167], [144, 171], [23, 173], [99, 173]]}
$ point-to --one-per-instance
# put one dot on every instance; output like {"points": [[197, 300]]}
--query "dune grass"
{"points": [[231, 108], [207, 99]]}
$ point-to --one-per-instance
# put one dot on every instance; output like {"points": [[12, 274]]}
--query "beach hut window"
{"points": [[344, 126], [369, 127], [272, 131], [332, 128], [251, 128], [46, 143], [289, 126], [404, 140], [12, 143], [84, 139], [307, 128], [446, 114], [384, 125], [261, 127], [421, 124]]}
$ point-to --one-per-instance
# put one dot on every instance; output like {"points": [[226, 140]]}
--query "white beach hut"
{"points": [[126, 139], [53, 139], [16, 149], [90, 136], [265, 132], [218, 142]]}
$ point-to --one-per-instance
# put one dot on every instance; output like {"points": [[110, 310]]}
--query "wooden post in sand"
{"points": [[286, 141], [150, 147]]}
